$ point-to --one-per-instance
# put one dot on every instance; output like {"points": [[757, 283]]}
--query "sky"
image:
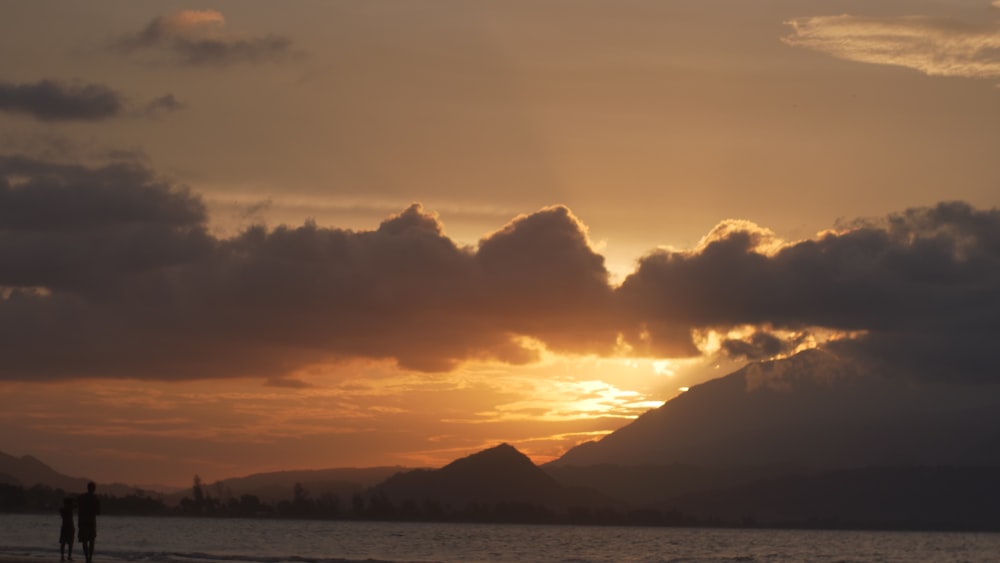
{"points": [[251, 236]]}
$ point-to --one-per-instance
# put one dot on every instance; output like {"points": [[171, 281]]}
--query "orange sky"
{"points": [[198, 178]]}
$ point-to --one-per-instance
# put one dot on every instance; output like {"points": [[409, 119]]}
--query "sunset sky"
{"points": [[250, 235]]}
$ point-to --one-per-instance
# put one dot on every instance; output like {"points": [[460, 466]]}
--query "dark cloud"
{"points": [[110, 271], [199, 37], [541, 274], [49, 100], [921, 285], [72, 227], [162, 105], [760, 345]]}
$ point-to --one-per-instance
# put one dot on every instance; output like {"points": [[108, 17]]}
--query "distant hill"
{"points": [[278, 485], [500, 474], [810, 410], [28, 471]]}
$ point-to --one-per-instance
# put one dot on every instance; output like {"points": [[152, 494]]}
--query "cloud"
{"points": [[49, 100], [918, 286], [760, 345], [116, 270], [78, 231], [933, 45], [109, 271], [164, 104], [200, 37], [542, 274]]}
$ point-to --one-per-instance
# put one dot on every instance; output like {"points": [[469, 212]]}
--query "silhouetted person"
{"points": [[88, 507], [67, 530]]}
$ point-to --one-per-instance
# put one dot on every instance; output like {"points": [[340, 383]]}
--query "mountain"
{"points": [[500, 474], [28, 471], [812, 410]]}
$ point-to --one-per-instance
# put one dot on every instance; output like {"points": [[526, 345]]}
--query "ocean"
{"points": [[205, 540]]}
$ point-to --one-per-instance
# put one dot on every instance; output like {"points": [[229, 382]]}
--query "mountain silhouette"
{"points": [[500, 474], [811, 410], [28, 471]]}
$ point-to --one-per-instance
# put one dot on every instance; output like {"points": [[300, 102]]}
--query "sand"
{"points": [[53, 558]]}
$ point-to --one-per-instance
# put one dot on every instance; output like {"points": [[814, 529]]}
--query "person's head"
{"points": [[91, 486]]}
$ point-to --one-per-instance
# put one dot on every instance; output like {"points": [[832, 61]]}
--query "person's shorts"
{"points": [[87, 533]]}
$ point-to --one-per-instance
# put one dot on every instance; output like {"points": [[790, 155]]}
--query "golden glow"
{"points": [[709, 341], [663, 367], [36, 291], [650, 130], [188, 19], [765, 241], [935, 46]]}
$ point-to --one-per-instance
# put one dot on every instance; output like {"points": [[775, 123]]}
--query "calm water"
{"points": [[187, 540]]}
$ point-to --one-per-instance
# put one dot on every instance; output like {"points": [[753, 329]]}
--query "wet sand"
{"points": [[29, 559], [53, 558]]}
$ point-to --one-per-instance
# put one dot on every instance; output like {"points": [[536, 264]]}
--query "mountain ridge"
{"points": [[814, 410], [500, 474], [28, 471]]}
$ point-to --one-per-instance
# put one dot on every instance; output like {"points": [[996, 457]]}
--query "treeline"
{"points": [[201, 503], [42, 498], [376, 506]]}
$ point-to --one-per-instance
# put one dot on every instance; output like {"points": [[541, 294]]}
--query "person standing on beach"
{"points": [[67, 530], [88, 508]]}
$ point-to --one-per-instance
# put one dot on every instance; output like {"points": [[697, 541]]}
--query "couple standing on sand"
{"points": [[88, 508]]}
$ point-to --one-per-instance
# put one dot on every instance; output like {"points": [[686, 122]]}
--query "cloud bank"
{"points": [[50, 100], [109, 271], [922, 286], [200, 37], [933, 45]]}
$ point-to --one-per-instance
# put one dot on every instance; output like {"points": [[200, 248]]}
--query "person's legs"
{"points": [[62, 548]]}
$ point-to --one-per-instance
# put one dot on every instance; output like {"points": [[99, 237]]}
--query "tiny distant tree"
{"points": [[299, 494], [199, 495], [301, 505]]}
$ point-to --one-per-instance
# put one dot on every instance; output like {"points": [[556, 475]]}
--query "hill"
{"points": [[28, 471], [500, 474], [279, 485], [811, 410]]}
